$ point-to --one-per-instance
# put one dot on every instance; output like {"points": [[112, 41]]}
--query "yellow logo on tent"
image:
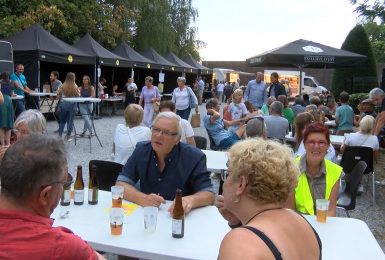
{"points": [[70, 59], [117, 62], [148, 66], [172, 68]]}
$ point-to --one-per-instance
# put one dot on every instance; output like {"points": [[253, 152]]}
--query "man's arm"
{"points": [[380, 122], [137, 197], [247, 92]]}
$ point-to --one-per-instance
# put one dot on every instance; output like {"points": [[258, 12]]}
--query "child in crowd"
{"points": [[344, 115], [237, 109]]}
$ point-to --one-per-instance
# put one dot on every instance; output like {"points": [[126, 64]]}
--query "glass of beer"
{"points": [[150, 215], [116, 221], [117, 196], [322, 207]]}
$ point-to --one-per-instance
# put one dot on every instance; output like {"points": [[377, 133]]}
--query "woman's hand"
{"points": [[226, 214]]}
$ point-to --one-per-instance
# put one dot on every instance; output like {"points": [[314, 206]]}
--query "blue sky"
{"points": [[236, 30]]}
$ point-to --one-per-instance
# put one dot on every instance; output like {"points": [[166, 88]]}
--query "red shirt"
{"points": [[24, 235]]}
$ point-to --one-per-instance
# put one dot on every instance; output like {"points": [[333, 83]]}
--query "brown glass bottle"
{"points": [[93, 187], [178, 216], [79, 187], [66, 196]]}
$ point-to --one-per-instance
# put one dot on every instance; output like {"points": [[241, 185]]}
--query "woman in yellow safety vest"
{"points": [[319, 178]]}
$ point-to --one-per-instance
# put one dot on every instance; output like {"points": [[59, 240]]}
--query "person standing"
{"points": [[55, 85], [86, 90], [130, 89], [67, 109], [256, 91], [201, 84], [6, 110], [20, 88], [220, 89], [181, 97], [149, 95], [276, 88], [55, 82], [344, 115]]}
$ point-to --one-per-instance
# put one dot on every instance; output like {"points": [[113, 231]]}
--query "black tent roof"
{"points": [[303, 53], [171, 57], [107, 58], [6, 57], [39, 43], [203, 69], [151, 54], [124, 50]]}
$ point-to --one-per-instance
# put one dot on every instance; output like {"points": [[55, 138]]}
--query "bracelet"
{"points": [[235, 226]]}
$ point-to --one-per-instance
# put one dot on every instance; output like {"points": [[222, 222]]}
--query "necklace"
{"points": [[260, 212]]}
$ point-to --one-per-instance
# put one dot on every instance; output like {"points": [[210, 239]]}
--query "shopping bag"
{"points": [[196, 120]]}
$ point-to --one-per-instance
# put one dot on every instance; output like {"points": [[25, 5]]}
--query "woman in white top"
{"points": [[181, 97], [187, 135], [363, 137], [126, 136]]}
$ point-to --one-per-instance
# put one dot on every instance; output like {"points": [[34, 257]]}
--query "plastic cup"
{"points": [[150, 215], [116, 221], [106, 96], [117, 196], [322, 207]]}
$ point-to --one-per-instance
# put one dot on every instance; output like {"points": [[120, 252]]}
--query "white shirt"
{"points": [[220, 87], [131, 86], [330, 155], [187, 130], [182, 98], [358, 139], [125, 140]]}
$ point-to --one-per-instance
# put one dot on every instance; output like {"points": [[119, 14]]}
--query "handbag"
{"points": [[195, 120], [192, 102], [156, 106]]}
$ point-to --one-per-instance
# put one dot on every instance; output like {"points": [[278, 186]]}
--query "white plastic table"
{"points": [[91, 113], [111, 100], [216, 160], [45, 97], [331, 123], [342, 238]]}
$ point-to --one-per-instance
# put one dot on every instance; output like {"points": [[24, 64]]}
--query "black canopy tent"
{"points": [[302, 53], [171, 70], [189, 71], [6, 57], [39, 52], [202, 70], [104, 58]]}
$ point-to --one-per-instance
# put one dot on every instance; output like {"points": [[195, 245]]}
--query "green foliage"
{"points": [[343, 79], [369, 11], [355, 99], [165, 25], [376, 34]]}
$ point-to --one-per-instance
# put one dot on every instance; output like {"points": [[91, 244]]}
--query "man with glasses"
{"points": [[33, 173], [165, 164]]}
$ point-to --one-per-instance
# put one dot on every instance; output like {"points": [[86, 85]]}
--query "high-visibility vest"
{"points": [[303, 198]]}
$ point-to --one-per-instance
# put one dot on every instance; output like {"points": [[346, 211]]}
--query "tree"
{"points": [[356, 41], [369, 12], [376, 34]]}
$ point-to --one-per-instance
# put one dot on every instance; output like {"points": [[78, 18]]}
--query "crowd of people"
{"points": [[265, 186]]}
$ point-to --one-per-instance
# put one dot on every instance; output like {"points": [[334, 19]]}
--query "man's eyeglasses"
{"points": [[156, 130]]}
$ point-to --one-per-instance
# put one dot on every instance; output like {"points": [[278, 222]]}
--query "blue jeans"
{"points": [[67, 113], [86, 110], [20, 106], [184, 113]]}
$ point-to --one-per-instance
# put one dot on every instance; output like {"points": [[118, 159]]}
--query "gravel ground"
{"points": [[80, 155]]}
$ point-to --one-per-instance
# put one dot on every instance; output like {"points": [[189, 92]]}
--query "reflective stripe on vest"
{"points": [[303, 197]]}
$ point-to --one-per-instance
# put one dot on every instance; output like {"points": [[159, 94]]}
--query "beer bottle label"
{"points": [[177, 226], [66, 196], [79, 196], [93, 195]]}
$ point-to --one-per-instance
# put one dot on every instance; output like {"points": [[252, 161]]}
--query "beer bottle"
{"points": [[178, 216], [66, 196], [93, 187], [79, 187]]}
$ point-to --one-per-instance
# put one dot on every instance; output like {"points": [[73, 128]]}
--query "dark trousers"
{"points": [[185, 114]]}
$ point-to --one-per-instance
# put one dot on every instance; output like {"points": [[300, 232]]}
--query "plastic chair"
{"points": [[201, 142], [106, 173], [352, 155], [347, 199]]}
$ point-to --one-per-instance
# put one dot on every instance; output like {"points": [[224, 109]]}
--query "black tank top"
{"points": [[271, 245]]}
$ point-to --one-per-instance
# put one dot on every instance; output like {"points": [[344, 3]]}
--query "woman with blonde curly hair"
{"points": [[260, 177]]}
